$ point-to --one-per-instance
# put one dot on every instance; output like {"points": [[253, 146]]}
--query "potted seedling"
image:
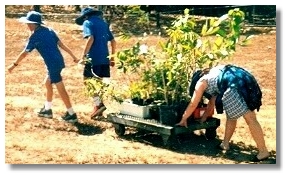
{"points": [[162, 77]]}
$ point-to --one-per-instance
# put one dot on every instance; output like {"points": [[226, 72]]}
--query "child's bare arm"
{"points": [[21, 56], [68, 50]]}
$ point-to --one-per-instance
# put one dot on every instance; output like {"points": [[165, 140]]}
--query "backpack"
{"points": [[244, 82]]}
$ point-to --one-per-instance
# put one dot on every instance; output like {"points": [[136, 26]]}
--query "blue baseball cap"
{"points": [[32, 17], [88, 11]]}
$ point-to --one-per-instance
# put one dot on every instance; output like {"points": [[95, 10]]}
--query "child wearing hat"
{"points": [[47, 43], [97, 33]]}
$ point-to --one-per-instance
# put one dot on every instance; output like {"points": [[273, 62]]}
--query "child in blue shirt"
{"points": [[47, 43], [97, 33]]}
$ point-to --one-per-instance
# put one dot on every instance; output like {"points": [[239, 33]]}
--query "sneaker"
{"points": [[98, 111], [70, 118], [222, 147], [45, 113]]}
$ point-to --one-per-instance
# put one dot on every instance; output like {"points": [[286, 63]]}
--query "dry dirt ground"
{"points": [[33, 140]]}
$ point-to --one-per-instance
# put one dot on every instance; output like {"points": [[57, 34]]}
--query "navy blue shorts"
{"points": [[55, 76], [102, 71]]}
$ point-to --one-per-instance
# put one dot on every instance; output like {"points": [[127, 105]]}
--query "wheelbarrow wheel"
{"points": [[210, 133], [120, 129]]}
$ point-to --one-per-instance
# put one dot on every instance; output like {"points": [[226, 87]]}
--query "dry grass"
{"points": [[33, 140]]}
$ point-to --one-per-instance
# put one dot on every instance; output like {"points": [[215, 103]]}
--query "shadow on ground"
{"points": [[85, 128], [88, 129], [198, 144]]}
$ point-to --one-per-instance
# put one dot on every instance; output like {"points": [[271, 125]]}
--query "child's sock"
{"points": [[48, 105], [71, 111], [97, 101]]}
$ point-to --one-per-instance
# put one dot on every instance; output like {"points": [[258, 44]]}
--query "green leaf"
{"points": [[221, 32], [186, 11], [209, 31], [211, 22], [218, 42], [204, 29], [224, 53], [212, 30]]}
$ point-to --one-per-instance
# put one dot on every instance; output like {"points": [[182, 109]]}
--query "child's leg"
{"points": [[56, 78], [70, 116], [49, 93], [99, 107], [257, 134], [63, 93], [97, 102], [46, 111], [99, 71]]}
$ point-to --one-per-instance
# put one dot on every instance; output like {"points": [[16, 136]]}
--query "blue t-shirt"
{"points": [[45, 40], [99, 29]]}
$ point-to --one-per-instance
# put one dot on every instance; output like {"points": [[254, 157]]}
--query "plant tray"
{"points": [[135, 110]]}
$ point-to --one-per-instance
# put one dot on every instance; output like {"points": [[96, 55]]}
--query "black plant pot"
{"points": [[141, 102], [168, 114], [138, 101], [171, 114]]}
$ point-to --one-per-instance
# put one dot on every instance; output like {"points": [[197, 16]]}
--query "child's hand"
{"points": [[112, 63], [11, 67], [76, 60], [81, 62], [183, 122]]}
